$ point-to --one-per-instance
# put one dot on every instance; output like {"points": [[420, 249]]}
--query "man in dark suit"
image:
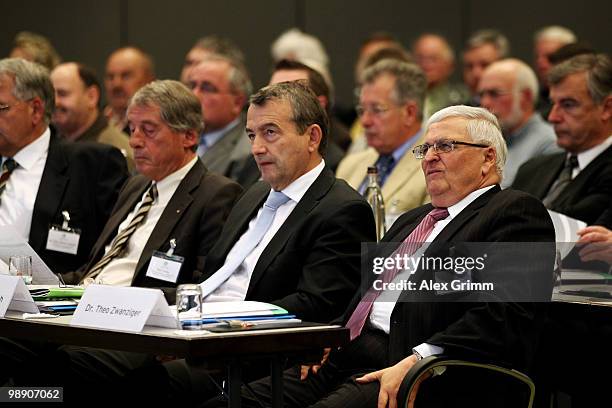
{"points": [[174, 203], [223, 86], [45, 181], [190, 206], [578, 182], [308, 260], [390, 336]]}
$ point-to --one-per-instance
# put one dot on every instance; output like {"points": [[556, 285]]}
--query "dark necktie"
{"points": [[385, 166], [7, 168], [118, 244], [565, 177], [410, 245]]}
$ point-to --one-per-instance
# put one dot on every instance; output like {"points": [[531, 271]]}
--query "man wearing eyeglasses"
{"points": [[509, 89], [577, 182], [223, 86], [462, 159], [390, 109]]}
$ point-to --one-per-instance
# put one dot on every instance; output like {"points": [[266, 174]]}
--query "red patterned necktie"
{"points": [[408, 247]]}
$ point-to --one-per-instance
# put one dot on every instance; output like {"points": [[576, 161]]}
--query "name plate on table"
{"points": [[123, 308], [14, 295]]}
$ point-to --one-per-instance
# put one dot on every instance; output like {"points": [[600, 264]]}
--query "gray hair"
{"points": [[598, 68], [305, 107], [410, 81], [525, 78], [488, 36], [238, 76], [220, 46], [482, 127], [31, 80], [179, 108], [39, 47], [555, 33]]}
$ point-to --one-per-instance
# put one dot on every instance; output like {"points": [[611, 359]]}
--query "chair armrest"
{"points": [[436, 365]]}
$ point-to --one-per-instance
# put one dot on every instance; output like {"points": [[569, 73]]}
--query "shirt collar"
{"points": [[213, 137], [296, 190], [166, 186], [455, 209], [30, 154], [586, 157]]}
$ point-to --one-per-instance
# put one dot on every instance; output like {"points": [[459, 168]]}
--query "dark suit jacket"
{"points": [[311, 266], [194, 216], [585, 198], [83, 179], [498, 331]]}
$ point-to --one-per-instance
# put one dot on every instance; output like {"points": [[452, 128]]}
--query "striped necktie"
{"points": [[410, 245], [563, 180], [7, 168], [119, 243]]}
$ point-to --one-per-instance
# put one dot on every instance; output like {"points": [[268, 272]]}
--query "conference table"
{"points": [[230, 349]]}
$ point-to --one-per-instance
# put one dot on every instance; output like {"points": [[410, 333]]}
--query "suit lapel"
{"points": [[50, 194], [585, 176], [118, 216], [308, 202], [546, 180], [179, 202]]}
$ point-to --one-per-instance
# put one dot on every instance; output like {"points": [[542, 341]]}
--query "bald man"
{"points": [[437, 59], [509, 89], [127, 70]]}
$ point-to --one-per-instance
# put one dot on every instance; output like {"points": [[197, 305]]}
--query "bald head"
{"points": [[509, 89], [435, 56], [127, 70]]}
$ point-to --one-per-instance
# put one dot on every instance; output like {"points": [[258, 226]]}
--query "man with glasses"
{"points": [[462, 160], [223, 86], [390, 108], [509, 89], [46, 183]]}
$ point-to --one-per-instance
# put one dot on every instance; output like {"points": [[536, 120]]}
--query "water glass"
{"points": [[189, 306], [21, 266]]}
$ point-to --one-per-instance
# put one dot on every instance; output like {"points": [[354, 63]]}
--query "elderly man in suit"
{"points": [[462, 159], [306, 259], [578, 181], [223, 86], [390, 107], [45, 181], [175, 202]]}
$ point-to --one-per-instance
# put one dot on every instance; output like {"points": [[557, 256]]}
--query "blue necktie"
{"points": [[247, 243], [385, 165]]}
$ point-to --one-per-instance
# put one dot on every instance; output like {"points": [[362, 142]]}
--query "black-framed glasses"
{"points": [[442, 146]]}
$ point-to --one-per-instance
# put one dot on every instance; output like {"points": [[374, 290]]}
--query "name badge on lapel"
{"points": [[62, 238], [165, 266]]}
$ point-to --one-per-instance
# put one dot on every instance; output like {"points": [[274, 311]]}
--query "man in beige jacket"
{"points": [[390, 110]]}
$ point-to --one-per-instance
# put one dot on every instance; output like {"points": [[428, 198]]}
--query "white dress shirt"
{"points": [[17, 201], [586, 157], [380, 315], [120, 271], [235, 287]]}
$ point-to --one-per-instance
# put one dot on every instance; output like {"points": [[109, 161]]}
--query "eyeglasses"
{"points": [[442, 146], [206, 88], [375, 110], [492, 93]]}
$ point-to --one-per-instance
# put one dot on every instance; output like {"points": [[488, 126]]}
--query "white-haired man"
{"points": [[462, 158], [509, 90]]}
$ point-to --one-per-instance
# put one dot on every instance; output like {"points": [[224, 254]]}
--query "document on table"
{"points": [[12, 244], [566, 231]]}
